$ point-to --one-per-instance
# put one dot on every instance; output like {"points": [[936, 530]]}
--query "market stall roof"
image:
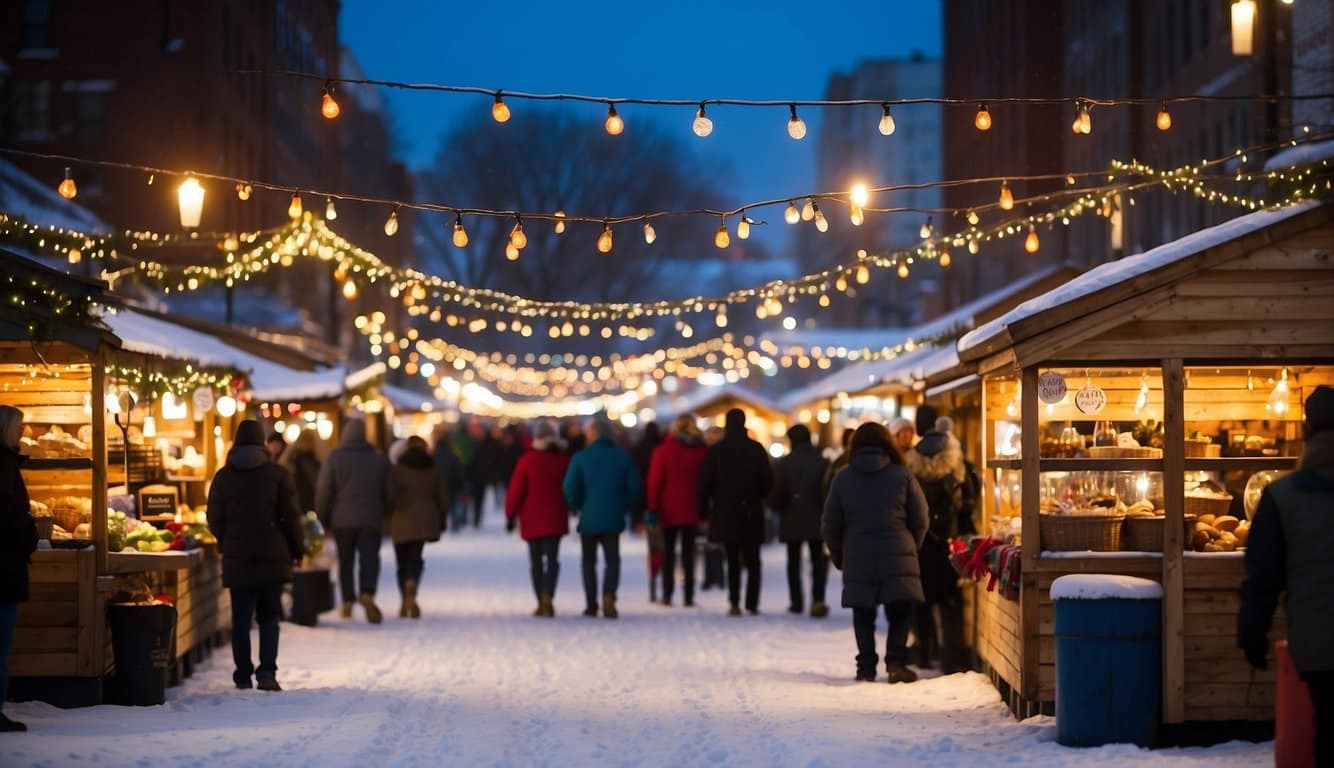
{"points": [[1140, 276], [39, 283], [1302, 155], [702, 398], [850, 339], [409, 401]]}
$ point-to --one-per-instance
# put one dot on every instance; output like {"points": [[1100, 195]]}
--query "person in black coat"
{"points": [[642, 453], [734, 482], [18, 540], [299, 458], [875, 520], [798, 499], [252, 511]]}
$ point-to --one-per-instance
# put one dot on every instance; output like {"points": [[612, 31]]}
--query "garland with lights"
{"points": [[177, 377], [42, 301]]}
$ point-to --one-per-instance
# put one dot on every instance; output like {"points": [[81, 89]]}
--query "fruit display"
{"points": [[1219, 533], [137, 536]]}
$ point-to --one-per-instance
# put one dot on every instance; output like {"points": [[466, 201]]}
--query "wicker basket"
{"points": [[1202, 449], [44, 524], [1118, 452], [1200, 505], [1078, 533], [1145, 534]]}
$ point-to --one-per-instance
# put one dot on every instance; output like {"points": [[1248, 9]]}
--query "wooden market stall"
{"points": [[764, 418], [1124, 407]]}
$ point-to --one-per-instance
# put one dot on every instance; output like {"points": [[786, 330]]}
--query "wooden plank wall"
{"points": [[1220, 685], [62, 628], [203, 607]]}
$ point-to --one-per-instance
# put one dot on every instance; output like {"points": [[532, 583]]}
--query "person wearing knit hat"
{"points": [[252, 510], [904, 433], [535, 504], [1288, 553]]}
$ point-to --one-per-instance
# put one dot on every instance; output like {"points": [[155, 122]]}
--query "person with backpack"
{"points": [[798, 500], [937, 462]]}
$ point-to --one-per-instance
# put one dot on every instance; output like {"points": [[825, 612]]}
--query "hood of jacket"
{"points": [[247, 457], [550, 443], [937, 455], [869, 460], [354, 434], [1317, 467], [687, 440], [417, 459]]}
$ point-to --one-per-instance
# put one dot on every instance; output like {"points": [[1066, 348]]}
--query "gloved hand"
{"points": [[650, 518], [1257, 655], [510, 523]]}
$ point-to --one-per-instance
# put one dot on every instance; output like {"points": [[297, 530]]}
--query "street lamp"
{"points": [[1243, 23], [190, 195]]}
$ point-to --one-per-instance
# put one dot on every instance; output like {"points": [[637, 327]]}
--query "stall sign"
{"points": [[202, 400], [1091, 399], [1051, 388], [157, 505]]}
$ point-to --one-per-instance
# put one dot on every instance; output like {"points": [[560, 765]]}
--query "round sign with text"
{"points": [[1090, 399], [1051, 388]]}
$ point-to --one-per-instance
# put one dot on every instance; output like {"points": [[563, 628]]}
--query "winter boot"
{"points": [[345, 610], [819, 610], [735, 610], [11, 726], [546, 607], [865, 677], [901, 674], [609, 605], [373, 614], [268, 684], [410, 607]]}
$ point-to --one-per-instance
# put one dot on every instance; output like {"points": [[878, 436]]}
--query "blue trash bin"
{"points": [[1108, 660]]}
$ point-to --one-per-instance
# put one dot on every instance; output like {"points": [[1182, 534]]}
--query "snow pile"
{"points": [[479, 682], [1101, 586]]}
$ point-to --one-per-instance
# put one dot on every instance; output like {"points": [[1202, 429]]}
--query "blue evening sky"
{"points": [[778, 49]]}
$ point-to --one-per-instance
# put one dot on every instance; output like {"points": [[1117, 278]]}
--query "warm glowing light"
{"points": [[560, 222], [614, 125], [68, 189], [1083, 124], [944, 260], [925, 231], [1243, 22], [886, 122], [243, 192], [903, 269], [856, 215], [150, 427], [973, 218], [190, 197], [982, 120], [790, 214], [859, 195], [350, 290], [391, 224], [973, 246], [841, 283], [808, 210], [500, 111], [460, 234], [702, 126], [1278, 399], [1031, 242], [821, 223], [824, 299], [330, 212], [743, 227], [720, 237], [511, 252], [1164, 120], [517, 238], [329, 107], [1006, 197], [226, 406], [294, 207], [604, 239], [650, 234], [74, 255], [796, 127], [863, 274]]}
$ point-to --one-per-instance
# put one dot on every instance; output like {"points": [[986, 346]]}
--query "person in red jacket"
{"points": [[536, 503], [673, 500]]}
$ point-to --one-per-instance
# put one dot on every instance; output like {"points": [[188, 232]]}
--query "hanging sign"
{"points": [[1051, 388], [1091, 399], [202, 399]]}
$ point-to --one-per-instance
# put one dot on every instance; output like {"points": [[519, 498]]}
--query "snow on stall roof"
{"points": [[38, 203], [906, 368], [1103, 586], [1302, 154], [364, 376], [701, 396], [1114, 272], [844, 338], [408, 400]]}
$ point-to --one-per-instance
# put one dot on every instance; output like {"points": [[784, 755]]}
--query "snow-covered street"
{"points": [[478, 681]]}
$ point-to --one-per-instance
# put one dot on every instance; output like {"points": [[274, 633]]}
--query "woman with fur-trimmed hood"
{"points": [[937, 461]]}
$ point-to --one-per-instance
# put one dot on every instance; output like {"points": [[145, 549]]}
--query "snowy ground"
{"points": [[478, 681]]}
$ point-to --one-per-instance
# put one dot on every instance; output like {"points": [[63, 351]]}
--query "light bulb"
{"points": [[821, 223], [226, 406], [808, 210], [243, 191], [68, 189], [1164, 121], [560, 222], [856, 215], [604, 239], [859, 195], [743, 227], [720, 319], [350, 290], [982, 120], [1278, 399], [294, 207], [460, 234], [511, 252], [230, 243], [796, 127], [329, 107], [517, 238], [841, 283], [614, 122], [190, 197], [150, 427], [903, 269], [886, 122], [74, 255], [1031, 242], [790, 214], [1243, 27], [391, 224], [863, 274], [973, 246], [973, 218], [1006, 197], [702, 126], [720, 237], [1083, 122], [925, 231], [650, 234], [824, 300], [944, 260], [500, 111], [330, 212]]}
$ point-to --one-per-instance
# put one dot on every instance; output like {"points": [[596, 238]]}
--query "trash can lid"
{"points": [[1104, 586]]}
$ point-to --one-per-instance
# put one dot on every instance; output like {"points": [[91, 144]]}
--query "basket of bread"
{"points": [[42, 518], [1144, 527], [56, 443], [1221, 533], [1094, 526], [70, 512], [1205, 500]]}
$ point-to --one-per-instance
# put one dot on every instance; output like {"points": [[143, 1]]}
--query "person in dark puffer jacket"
{"points": [[252, 510], [18, 540], [1288, 552], [352, 499], [734, 482], [797, 498], [418, 513], [937, 462], [875, 520]]}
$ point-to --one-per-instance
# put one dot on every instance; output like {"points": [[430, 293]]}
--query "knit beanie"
{"points": [[1320, 409], [249, 432]]}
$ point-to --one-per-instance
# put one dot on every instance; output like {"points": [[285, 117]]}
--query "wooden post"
{"points": [[1029, 603], [99, 489], [1174, 579]]}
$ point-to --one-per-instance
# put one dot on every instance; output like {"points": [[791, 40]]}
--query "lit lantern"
{"points": [[68, 189], [1243, 23], [329, 107], [982, 120], [190, 196]]}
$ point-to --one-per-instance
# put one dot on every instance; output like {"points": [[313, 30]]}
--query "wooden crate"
{"points": [[62, 629]]}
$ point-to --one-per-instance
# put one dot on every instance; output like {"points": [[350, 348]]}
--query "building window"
{"points": [[91, 125], [32, 110], [37, 32]]}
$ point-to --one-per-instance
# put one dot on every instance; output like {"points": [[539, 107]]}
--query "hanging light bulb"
{"points": [[500, 111], [330, 212], [1031, 242], [1164, 120], [982, 120], [1006, 197], [808, 210], [391, 224], [74, 255], [1278, 399], [1142, 399], [796, 127], [859, 194], [329, 107], [1243, 23], [517, 238], [720, 237], [841, 283], [150, 427], [460, 234], [242, 191], [604, 239], [350, 290], [944, 260], [925, 231], [886, 121], [190, 198], [821, 223], [790, 214], [973, 246], [511, 252], [294, 207], [68, 189], [903, 269], [560, 222], [743, 227], [614, 124], [650, 234], [824, 300], [863, 274], [856, 215], [702, 126], [1083, 123], [973, 218]]}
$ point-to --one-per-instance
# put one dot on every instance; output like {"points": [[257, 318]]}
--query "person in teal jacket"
{"points": [[602, 485]]}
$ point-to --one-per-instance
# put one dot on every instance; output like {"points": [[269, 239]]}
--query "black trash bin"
{"points": [[141, 640]]}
